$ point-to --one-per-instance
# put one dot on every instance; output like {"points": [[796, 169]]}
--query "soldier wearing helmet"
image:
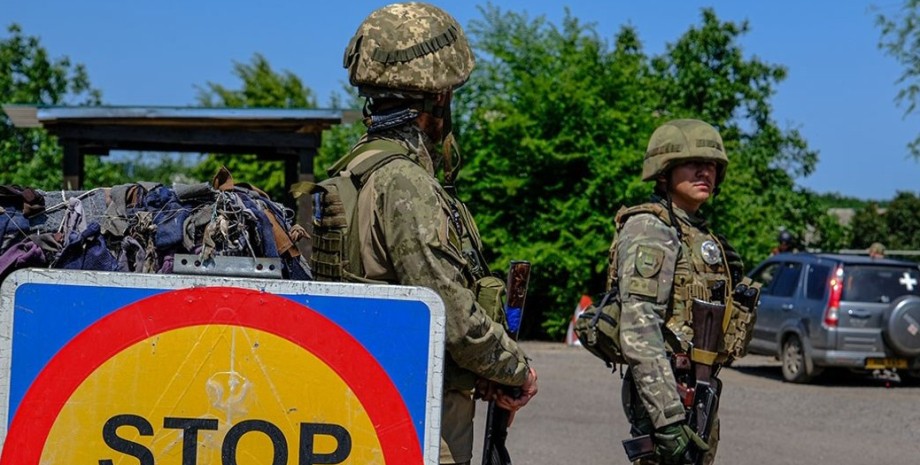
{"points": [[785, 243], [663, 256], [876, 250], [385, 218]]}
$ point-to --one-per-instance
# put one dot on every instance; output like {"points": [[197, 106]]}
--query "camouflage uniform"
{"points": [[406, 227], [407, 237], [661, 258]]}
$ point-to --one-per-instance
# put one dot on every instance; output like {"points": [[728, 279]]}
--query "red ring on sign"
{"points": [[77, 360]]}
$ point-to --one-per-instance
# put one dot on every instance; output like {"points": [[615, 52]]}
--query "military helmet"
{"points": [[406, 50], [877, 249], [683, 140], [785, 237]]}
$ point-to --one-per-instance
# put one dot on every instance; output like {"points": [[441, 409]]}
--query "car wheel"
{"points": [[795, 368]]}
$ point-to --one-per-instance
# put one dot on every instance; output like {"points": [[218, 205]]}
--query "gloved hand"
{"points": [[671, 442]]}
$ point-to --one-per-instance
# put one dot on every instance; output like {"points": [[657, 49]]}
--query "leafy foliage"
{"points": [[900, 38], [868, 226], [338, 140], [554, 125], [895, 226], [262, 87], [28, 75]]}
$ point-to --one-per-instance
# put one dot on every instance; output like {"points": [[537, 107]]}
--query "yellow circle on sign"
{"points": [[230, 376]]}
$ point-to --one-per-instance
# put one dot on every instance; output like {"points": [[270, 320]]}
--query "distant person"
{"points": [[876, 250], [786, 243]]}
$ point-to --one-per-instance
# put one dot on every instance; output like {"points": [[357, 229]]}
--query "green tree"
{"points": [[868, 226], [28, 75], [262, 87], [903, 221], [549, 126], [705, 74], [338, 140], [900, 38], [554, 125]]}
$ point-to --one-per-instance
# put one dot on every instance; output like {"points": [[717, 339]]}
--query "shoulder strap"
{"points": [[335, 256], [367, 157], [648, 207]]}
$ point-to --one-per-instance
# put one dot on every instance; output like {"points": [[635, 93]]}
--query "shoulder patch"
{"points": [[648, 261]]}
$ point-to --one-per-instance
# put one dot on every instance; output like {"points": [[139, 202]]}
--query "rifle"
{"points": [[494, 451], [707, 332]]}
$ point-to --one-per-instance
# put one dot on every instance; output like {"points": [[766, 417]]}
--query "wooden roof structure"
{"points": [[290, 135]]}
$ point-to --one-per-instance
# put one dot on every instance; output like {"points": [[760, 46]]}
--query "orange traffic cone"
{"points": [[583, 304]]}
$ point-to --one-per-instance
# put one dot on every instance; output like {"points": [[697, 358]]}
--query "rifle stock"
{"points": [[494, 450]]}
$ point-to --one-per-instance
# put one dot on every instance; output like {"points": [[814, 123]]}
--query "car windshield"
{"points": [[879, 283]]}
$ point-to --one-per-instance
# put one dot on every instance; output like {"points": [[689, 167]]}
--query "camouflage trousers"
{"points": [[457, 411], [641, 422]]}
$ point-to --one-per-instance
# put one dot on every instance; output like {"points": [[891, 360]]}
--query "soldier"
{"points": [[785, 243], [877, 250], [406, 227], [662, 257]]}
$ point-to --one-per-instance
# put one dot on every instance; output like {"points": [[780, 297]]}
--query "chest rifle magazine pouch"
{"points": [[743, 316], [490, 292], [329, 227]]}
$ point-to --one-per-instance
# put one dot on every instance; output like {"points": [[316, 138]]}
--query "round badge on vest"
{"points": [[710, 252]]}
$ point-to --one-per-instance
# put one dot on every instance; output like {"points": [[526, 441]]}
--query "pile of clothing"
{"points": [[140, 227]]}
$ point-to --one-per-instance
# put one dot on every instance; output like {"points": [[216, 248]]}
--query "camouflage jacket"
{"points": [[658, 272], [406, 236]]}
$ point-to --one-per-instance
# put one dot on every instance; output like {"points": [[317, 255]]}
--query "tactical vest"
{"points": [[693, 276], [334, 208], [336, 246]]}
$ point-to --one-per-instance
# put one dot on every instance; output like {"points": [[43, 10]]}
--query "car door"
{"points": [[777, 298], [812, 302]]}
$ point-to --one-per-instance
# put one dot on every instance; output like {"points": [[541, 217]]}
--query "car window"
{"points": [[879, 283], [816, 281], [765, 276], [786, 280]]}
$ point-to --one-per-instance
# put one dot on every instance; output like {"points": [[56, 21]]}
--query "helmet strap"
{"points": [[671, 215], [450, 150]]}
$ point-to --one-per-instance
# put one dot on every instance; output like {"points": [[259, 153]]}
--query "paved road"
{"points": [[839, 420]]}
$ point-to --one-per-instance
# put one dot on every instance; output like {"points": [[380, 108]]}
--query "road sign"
{"points": [[108, 368]]}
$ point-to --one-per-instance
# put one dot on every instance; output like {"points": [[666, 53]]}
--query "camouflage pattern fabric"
{"points": [[641, 423], [658, 273], [646, 250], [406, 236], [415, 48]]}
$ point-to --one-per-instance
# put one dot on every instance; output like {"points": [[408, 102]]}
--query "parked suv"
{"points": [[830, 310]]}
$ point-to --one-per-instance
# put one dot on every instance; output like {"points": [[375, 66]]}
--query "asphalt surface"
{"points": [[840, 419]]}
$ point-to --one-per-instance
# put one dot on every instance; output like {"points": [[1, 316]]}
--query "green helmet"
{"points": [[683, 140], [406, 50]]}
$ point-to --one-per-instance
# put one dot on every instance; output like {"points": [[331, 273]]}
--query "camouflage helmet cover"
{"points": [[407, 49], [683, 140]]}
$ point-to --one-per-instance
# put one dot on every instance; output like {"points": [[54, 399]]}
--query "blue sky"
{"points": [[839, 92]]}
